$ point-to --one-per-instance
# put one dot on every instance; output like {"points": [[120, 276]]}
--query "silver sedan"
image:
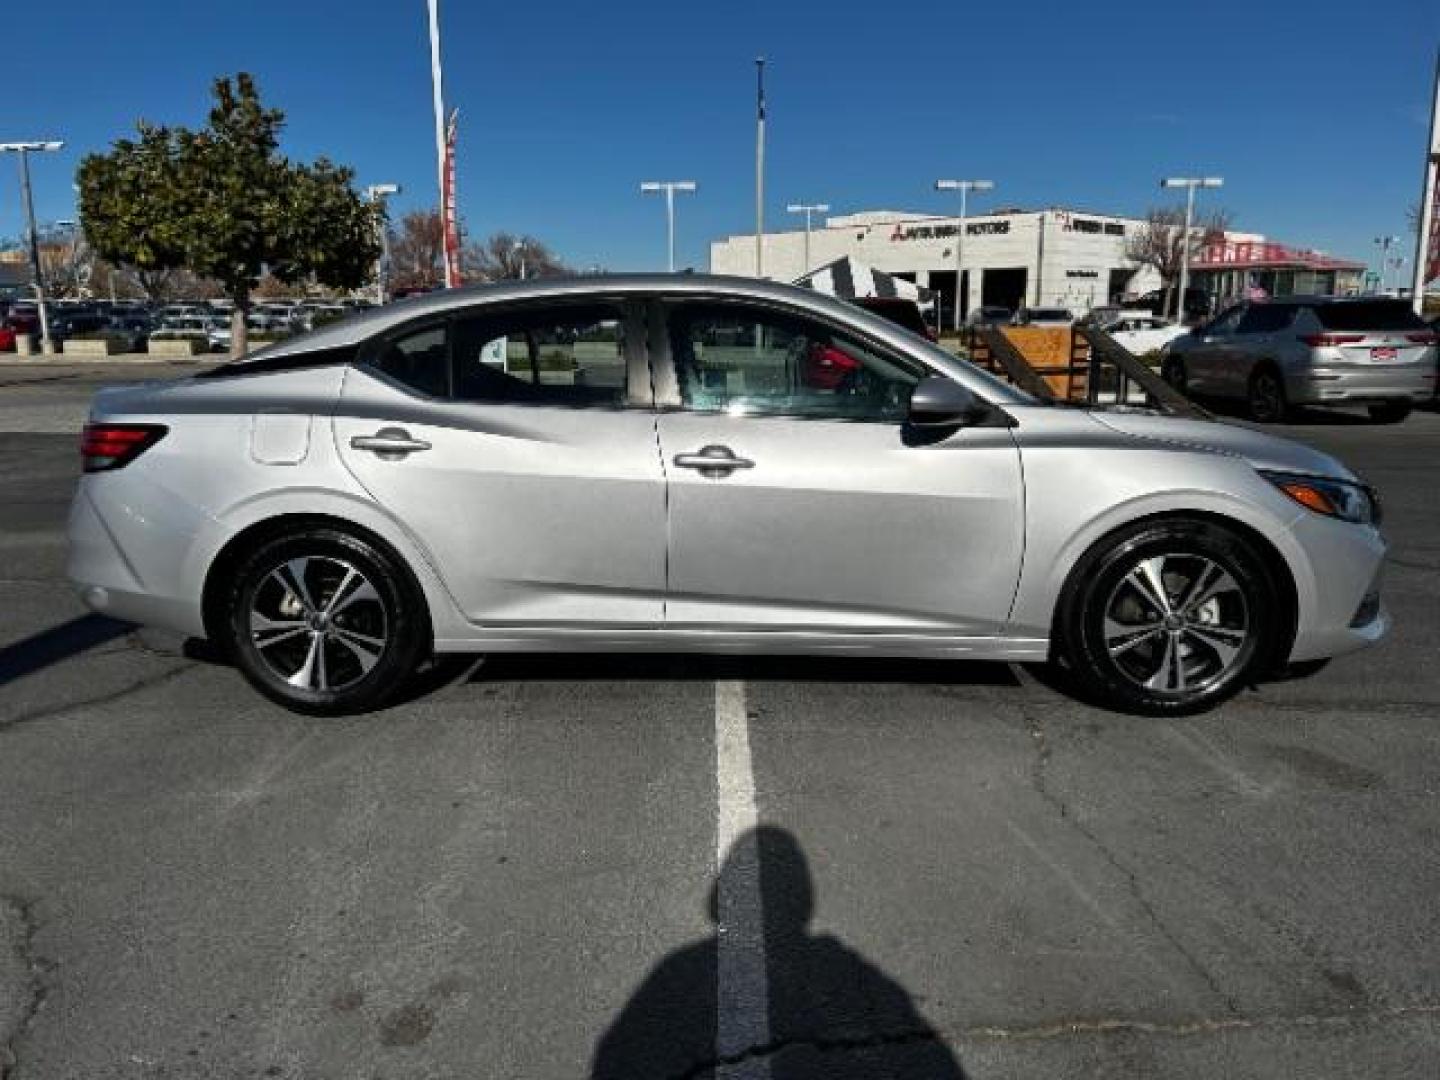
{"points": [[701, 463]]}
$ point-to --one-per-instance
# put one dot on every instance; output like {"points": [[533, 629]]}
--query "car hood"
{"points": [[1260, 450]]}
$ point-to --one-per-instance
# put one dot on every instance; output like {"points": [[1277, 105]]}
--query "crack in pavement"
{"points": [[49, 712], [1039, 781], [1203, 1026], [38, 990], [838, 1045]]}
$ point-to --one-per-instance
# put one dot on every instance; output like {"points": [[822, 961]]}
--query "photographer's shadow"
{"points": [[806, 1007]]}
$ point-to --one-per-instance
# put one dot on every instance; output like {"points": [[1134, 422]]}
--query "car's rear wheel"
{"points": [[1390, 412], [1170, 618], [1267, 397], [325, 622]]}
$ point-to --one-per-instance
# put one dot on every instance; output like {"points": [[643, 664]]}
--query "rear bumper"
{"points": [[1353, 384], [110, 582]]}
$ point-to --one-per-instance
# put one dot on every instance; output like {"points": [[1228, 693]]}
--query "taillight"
{"points": [[1320, 341], [113, 446], [1425, 338]]}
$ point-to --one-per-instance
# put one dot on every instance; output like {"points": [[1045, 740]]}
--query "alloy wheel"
{"points": [[1267, 399], [318, 623], [1176, 623]]}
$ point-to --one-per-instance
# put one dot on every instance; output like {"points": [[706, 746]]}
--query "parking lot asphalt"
{"points": [[518, 872]]}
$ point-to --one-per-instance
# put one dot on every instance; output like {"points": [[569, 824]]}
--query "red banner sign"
{"points": [[452, 217], [1243, 253]]}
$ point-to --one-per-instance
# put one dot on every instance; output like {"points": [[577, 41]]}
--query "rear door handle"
{"points": [[713, 461], [389, 443]]}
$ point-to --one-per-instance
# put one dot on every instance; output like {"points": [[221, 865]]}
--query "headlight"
{"points": [[1333, 498]]}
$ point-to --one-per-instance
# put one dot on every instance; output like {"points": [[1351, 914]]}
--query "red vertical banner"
{"points": [[1432, 260], [452, 217]]}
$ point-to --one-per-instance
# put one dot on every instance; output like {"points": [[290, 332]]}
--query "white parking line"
{"points": [[742, 992]]}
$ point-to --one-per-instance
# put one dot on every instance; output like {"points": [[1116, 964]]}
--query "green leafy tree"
{"points": [[236, 207], [133, 210]]}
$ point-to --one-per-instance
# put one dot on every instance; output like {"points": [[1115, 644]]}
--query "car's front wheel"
{"points": [[1172, 370], [1170, 617], [326, 622]]}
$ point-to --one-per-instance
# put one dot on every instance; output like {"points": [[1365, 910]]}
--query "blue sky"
{"points": [[1315, 113]]}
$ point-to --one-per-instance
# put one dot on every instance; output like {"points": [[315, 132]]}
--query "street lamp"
{"points": [[377, 194], [25, 149], [807, 209], [669, 187], [518, 249], [1189, 183], [1385, 243], [964, 187]]}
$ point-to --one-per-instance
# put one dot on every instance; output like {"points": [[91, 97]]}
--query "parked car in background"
{"points": [[336, 508], [1159, 302], [133, 330], [175, 328], [1044, 316], [1319, 350], [900, 311], [991, 315], [1139, 331]]}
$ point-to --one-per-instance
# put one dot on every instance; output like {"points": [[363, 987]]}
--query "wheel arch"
{"points": [[1276, 565], [227, 560]]}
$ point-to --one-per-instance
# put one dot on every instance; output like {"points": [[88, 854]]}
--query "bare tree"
{"points": [[507, 257], [417, 250], [1160, 241]]}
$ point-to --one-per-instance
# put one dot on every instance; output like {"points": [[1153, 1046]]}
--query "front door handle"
{"points": [[713, 461], [389, 443]]}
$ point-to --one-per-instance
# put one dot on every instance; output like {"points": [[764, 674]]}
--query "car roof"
{"points": [[364, 324]]}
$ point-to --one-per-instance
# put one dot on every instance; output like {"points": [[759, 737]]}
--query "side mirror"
{"points": [[940, 402]]}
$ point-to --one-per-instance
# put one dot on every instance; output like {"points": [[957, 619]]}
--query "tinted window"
{"points": [[571, 355], [418, 359], [1369, 315], [1266, 318], [755, 361], [1226, 323]]}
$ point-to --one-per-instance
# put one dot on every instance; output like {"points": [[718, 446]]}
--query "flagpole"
{"points": [[438, 91], [760, 167], [1427, 247]]}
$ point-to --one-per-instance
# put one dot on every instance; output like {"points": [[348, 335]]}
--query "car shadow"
{"points": [[638, 667], [1298, 416], [765, 996], [58, 644]]}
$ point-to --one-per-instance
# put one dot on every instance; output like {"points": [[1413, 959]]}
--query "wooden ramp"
{"points": [[1081, 365]]}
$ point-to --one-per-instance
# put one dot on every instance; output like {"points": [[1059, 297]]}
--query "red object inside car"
{"points": [[826, 367]]}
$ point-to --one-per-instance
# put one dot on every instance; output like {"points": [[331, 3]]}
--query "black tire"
{"points": [[299, 604], [1391, 412], [1172, 370], [1266, 397], [1131, 653]]}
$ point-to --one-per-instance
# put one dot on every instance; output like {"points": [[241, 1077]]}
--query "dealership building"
{"points": [[1012, 258]]}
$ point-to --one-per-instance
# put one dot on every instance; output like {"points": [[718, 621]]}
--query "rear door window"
{"points": [[1369, 315], [1265, 318]]}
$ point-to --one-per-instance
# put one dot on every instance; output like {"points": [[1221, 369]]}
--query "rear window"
{"points": [[1369, 315]]}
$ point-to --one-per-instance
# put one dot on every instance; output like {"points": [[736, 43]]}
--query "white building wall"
{"points": [[1075, 247]]}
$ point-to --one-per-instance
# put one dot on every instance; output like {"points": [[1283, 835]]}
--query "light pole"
{"points": [[1189, 183], [760, 166], [1385, 243], [24, 149], [437, 89], [964, 187], [377, 193], [807, 209], [669, 187]]}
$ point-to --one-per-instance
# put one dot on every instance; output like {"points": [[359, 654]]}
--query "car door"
{"points": [[1207, 356], [799, 499], [517, 445], [1255, 339]]}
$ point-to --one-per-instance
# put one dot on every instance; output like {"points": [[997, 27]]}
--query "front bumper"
{"points": [[1341, 609]]}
